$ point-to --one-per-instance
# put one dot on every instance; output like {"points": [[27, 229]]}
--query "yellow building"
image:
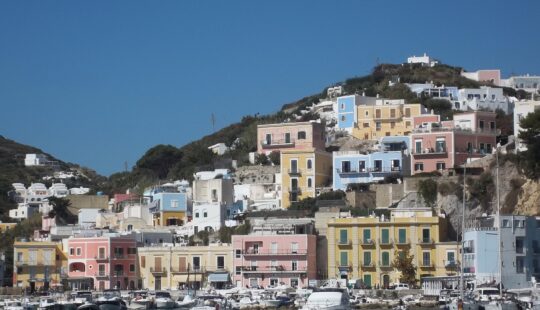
{"points": [[302, 173], [365, 247], [169, 218], [385, 118], [38, 265], [6, 226], [163, 268]]}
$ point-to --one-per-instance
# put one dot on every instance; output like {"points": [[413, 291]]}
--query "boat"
{"points": [[163, 300], [337, 299], [81, 297], [88, 306], [48, 303], [13, 304], [187, 302], [140, 300], [246, 302], [111, 300]]}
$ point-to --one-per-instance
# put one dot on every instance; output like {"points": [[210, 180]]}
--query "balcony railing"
{"points": [[430, 151], [460, 130], [368, 264], [272, 269], [451, 264], [294, 171], [101, 258], [343, 267], [194, 270], [119, 256], [405, 241], [294, 190], [367, 242], [101, 274], [388, 242], [275, 252], [277, 143], [369, 170], [426, 264], [385, 265], [34, 263], [158, 270], [344, 242], [426, 241]]}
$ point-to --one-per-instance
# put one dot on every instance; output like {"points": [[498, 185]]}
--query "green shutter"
{"points": [[367, 258], [343, 236], [367, 280], [385, 236], [385, 258], [367, 235], [344, 259], [402, 235]]}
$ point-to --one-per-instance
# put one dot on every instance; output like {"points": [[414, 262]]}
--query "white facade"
{"points": [[35, 160], [213, 191], [529, 83], [79, 190], [23, 212], [521, 110], [219, 148], [139, 211], [87, 217], [58, 190], [259, 196], [335, 91], [208, 216], [424, 60], [482, 98]]}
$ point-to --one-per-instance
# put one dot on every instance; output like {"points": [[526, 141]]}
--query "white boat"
{"points": [[328, 300], [13, 304], [163, 300], [246, 302], [111, 300], [47, 303], [140, 300], [187, 303]]}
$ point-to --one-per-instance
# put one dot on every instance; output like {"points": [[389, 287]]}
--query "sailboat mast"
{"points": [[461, 280], [499, 222]]}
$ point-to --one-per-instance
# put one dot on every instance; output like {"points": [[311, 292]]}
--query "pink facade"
{"points": [[419, 120], [100, 263], [448, 144], [264, 260], [493, 76], [290, 136]]}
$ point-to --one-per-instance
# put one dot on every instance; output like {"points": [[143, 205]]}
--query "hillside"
{"points": [[167, 162], [13, 170]]}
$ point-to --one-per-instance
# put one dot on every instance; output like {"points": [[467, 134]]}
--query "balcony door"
{"points": [[268, 139], [294, 165]]}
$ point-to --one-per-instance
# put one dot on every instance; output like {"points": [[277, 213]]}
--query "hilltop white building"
{"points": [[423, 60]]}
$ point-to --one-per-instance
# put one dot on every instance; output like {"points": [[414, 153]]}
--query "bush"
{"points": [[448, 188], [427, 189], [482, 189], [275, 158], [261, 159]]}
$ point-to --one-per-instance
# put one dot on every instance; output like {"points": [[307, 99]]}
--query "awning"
{"points": [[219, 277]]}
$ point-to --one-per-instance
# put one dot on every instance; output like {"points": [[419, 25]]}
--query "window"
{"points": [[238, 253], [343, 259], [342, 118], [71, 251], [418, 146], [20, 256], [294, 265], [343, 236], [519, 245], [214, 195], [492, 125], [392, 125], [378, 113], [481, 125], [79, 251], [143, 261], [131, 268], [196, 263], [294, 166], [451, 257], [118, 252], [367, 280], [343, 106], [402, 234], [441, 166], [294, 282], [377, 165], [287, 137], [132, 251], [101, 253], [395, 165], [273, 282], [366, 125], [362, 166], [238, 270], [220, 262], [419, 167], [520, 263], [367, 258], [392, 113], [274, 248], [385, 261], [489, 149], [407, 112], [426, 259], [309, 182], [268, 139], [205, 214], [425, 235], [294, 247], [367, 113], [407, 124], [469, 147], [385, 236], [309, 164], [345, 166], [197, 214], [377, 126], [367, 235], [440, 145], [101, 270], [301, 135], [174, 203]]}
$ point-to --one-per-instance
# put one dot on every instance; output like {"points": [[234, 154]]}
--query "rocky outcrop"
{"points": [[529, 199]]}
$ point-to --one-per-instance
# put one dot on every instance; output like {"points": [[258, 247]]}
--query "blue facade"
{"points": [[346, 107], [481, 255], [353, 167], [171, 201]]}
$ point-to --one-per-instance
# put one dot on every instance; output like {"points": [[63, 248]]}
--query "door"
{"points": [[386, 281], [157, 263], [182, 264], [287, 138], [294, 165], [157, 283], [367, 280]]}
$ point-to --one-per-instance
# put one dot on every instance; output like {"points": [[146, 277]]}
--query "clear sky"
{"points": [[99, 82]]}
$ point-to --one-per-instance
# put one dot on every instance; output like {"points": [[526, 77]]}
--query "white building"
{"points": [[219, 148], [424, 60], [335, 91], [529, 83], [35, 160], [521, 110], [257, 197], [23, 211], [79, 190], [491, 76], [485, 97], [87, 217], [208, 216], [58, 190]]}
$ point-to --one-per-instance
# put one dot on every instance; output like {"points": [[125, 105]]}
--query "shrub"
{"points": [[261, 159], [275, 158], [427, 189]]}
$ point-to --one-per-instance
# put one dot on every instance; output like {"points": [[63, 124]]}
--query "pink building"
{"points": [[269, 258], [491, 76], [290, 136], [444, 145], [105, 262]]}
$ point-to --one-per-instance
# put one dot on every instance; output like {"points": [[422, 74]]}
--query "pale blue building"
{"points": [[352, 167]]}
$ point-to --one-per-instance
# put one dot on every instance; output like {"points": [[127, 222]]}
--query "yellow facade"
{"points": [[169, 218], [365, 247], [38, 265], [163, 268], [376, 121], [302, 172], [6, 226]]}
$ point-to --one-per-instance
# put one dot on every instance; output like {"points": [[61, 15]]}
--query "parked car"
{"points": [[400, 286]]}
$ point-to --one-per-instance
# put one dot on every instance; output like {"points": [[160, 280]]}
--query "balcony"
{"points": [[294, 171], [119, 256], [430, 152], [278, 252], [536, 250], [368, 265], [277, 143], [427, 264], [101, 274], [485, 131], [352, 171], [271, 269], [343, 267], [196, 270], [347, 242], [294, 190], [388, 242], [158, 270], [451, 264], [367, 242], [101, 258], [426, 242], [385, 265], [34, 263], [403, 242]]}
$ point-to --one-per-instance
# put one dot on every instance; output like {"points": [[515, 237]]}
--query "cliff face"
{"points": [[528, 200]]}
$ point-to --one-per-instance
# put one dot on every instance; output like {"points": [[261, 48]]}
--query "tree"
{"points": [[61, 212], [442, 107], [275, 158], [261, 159], [160, 159], [403, 262], [530, 159], [427, 189]]}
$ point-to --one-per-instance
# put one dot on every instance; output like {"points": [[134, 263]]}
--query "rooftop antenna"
{"points": [[213, 120]]}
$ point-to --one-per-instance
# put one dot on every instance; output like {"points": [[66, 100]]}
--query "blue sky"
{"points": [[99, 82]]}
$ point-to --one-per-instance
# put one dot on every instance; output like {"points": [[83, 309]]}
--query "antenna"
{"points": [[213, 120]]}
